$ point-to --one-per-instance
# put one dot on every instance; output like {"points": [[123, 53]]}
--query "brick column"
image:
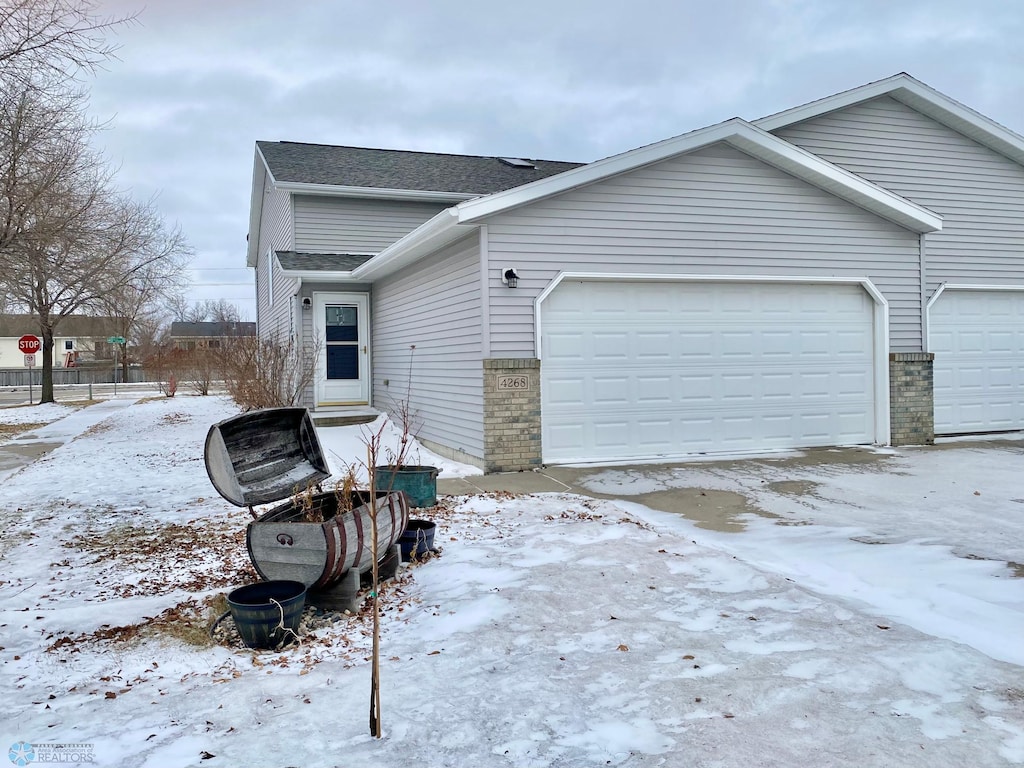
{"points": [[912, 398], [511, 414]]}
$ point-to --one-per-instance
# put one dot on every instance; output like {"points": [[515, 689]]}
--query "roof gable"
{"points": [[745, 137], [917, 96], [459, 220]]}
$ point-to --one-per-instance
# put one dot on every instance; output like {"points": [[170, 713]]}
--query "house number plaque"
{"points": [[515, 383]]}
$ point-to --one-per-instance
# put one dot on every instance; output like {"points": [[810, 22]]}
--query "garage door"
{"points": [[978, 341], [640, 370]]}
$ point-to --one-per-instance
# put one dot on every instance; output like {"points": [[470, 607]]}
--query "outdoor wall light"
{"points": [[307, 303], [510, 277]]}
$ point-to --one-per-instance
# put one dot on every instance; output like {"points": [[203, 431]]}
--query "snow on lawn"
{"points": [[553, 630], [345, 447]]}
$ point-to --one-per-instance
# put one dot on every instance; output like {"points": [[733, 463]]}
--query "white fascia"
{"points": [[260, 172], [917, 96], [745, 137], [317, 276], [339, 190]]}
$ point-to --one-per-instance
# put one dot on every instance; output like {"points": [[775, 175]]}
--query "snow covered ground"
{"points": [[553, 630]]}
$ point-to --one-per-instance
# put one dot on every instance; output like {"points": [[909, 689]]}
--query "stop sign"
{"points": [[29, 344]]}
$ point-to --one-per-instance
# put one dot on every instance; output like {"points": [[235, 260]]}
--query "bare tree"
{"points": [[68, 240], [138, 302], [211, 310], [53, 40], [222, 311]]}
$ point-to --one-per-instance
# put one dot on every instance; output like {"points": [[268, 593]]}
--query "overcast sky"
{"points": [[200, 81]]}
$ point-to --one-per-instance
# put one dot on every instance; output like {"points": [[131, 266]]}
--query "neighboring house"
{"points": [[79, 340], [208, 335], [797, 281]]}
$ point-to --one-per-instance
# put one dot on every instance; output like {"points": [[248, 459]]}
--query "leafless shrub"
{"points": [[201, 368], [268, 373]]}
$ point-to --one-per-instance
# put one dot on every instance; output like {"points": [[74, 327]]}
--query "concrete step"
{"points": [[348, 418]]}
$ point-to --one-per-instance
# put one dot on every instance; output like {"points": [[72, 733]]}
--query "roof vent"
{"points": [[518, 162]]}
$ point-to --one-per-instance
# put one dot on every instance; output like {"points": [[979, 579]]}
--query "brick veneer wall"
{"points": [[511, 414], [912, 398]]}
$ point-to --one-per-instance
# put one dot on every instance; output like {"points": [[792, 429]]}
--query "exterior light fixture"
{"points": [[510, 277]]}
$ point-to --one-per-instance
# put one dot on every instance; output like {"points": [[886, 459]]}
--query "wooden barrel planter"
{"points": [[283, 546], [273, 454]]}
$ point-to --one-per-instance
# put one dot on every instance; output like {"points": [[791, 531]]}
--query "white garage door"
{"points": [[638, 370], [978, 341]]}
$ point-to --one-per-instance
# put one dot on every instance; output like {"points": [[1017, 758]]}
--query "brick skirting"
{"points": [[912, 398], [511, 414]]}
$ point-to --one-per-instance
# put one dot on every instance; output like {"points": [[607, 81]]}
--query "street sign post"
{"points": [[116, 340], [30, 363]]}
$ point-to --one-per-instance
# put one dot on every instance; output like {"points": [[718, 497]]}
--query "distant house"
{"points": [[210, 335], [79, 340], [846, 272]]}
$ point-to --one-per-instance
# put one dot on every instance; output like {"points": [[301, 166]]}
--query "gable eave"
{"points": [[260, 173], [917, 96], [371, 193], [739, 133]]}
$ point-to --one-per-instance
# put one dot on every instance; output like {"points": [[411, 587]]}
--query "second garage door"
{"points": [[978, 340], [645, 370]]}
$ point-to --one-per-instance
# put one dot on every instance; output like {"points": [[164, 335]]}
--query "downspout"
{"points": [[923, 264], [485, 296]]}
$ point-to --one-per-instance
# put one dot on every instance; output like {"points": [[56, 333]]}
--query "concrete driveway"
{"points": [[930, 536]]}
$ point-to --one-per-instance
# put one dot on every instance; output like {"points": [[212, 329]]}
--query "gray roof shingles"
{"points": [[399, 169], [321, 262]]}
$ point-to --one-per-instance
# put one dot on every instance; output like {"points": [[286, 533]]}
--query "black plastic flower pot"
{"points": [[267, 614], [417, 540]]}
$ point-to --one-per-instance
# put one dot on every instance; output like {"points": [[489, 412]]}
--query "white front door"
{"points": [[343, 376]]}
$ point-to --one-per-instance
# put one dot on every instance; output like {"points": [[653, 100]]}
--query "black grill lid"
{"points": [[264, 456]]}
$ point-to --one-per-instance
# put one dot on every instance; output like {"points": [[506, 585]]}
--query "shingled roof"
{"points": [[211, 329], [321, 262], [399, 169]]}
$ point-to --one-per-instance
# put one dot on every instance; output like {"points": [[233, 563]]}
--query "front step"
{"points": [[343, 419]]}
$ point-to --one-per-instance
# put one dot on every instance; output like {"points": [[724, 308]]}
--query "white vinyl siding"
{"points": [[637, 370], [977, 337], [978, 192], [716, 211], [347, 225], [274, 319], [435, 305]]}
